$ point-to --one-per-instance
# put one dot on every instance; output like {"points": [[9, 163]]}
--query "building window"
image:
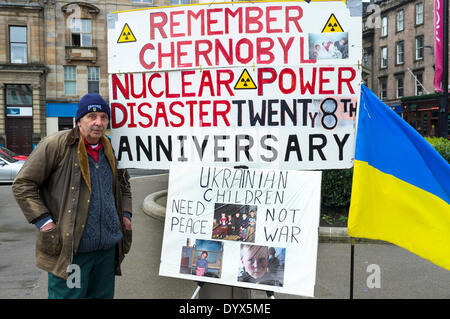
{"points": [[366, 60], [19, 95], [400, 48], [81, 32], [70, 80], [419, 13], [383, 57], [418, 88], [143, 1], [174, 2], [383, 88], [19, 100], [400, 87], [419, 48], [384, 26], [18, 44], [93, 79], [400, 20]]}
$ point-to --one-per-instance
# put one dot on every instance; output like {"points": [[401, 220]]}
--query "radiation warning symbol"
{"points": [[332, 25], [126, 35], [245, 81]]}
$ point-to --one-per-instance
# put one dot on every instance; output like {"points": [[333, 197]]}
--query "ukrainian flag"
{"points": [[401, 185]]}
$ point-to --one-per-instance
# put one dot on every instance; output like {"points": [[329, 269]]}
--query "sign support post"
{"points": [[197, 290], [352, 265]]}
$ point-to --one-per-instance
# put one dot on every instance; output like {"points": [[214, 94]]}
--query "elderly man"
{"points": [[71, 189]]}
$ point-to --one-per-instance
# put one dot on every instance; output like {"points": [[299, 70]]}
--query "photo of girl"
{"points": [[204, 258], [202, 264]]}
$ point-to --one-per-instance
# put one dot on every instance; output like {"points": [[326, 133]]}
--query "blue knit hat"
{"points": [[92, 102]]}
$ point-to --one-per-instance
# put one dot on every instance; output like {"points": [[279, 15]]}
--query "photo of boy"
{"points": [[243, 228], [236, 222], [251, 227], [230, 225], [255, 263]]}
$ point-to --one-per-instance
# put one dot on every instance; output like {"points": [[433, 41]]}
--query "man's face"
{"points": [[255, 261], [93, 125]]}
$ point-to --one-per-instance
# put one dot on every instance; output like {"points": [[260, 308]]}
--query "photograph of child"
{"points": [[204, 258], [328, 46], [223, 229], [251, 227], [234, 222], [261, 265], [201, 264], [243, 226]]}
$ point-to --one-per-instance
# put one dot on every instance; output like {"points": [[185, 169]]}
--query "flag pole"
{"points": [[443, 109], [352, 263]]}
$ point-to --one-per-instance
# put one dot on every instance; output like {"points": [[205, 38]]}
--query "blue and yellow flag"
{"points": [[401, 185]]}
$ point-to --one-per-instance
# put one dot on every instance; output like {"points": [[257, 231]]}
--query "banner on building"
{"points": [[438, 43], [268, 84], [242, 227]]}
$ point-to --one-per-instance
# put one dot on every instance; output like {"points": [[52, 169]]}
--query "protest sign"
{"points": [[242, 227], [231, 34], [268, 84]]}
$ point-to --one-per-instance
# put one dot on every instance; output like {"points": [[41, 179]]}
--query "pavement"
{"points": [[401, 273]]}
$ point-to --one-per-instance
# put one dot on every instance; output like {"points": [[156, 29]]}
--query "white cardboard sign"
{"points": [[249, 228], [256, 33], [264, 84]]}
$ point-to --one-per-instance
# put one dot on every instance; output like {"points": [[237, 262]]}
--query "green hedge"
{"points": [[442, 145], [337, 184], [336, 187]]}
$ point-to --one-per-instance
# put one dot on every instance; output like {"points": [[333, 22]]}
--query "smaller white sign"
{"points": [[243, 227], [19, 111]]}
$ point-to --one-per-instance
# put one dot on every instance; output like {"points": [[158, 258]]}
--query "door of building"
{"points": [[65, 123], [19, 133], [19, 118]]}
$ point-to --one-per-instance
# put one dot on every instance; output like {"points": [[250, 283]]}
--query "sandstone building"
{"points": [[52, 53]]}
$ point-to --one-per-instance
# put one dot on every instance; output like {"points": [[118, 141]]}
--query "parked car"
{"points": [[9, 167], [10, 153]]}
